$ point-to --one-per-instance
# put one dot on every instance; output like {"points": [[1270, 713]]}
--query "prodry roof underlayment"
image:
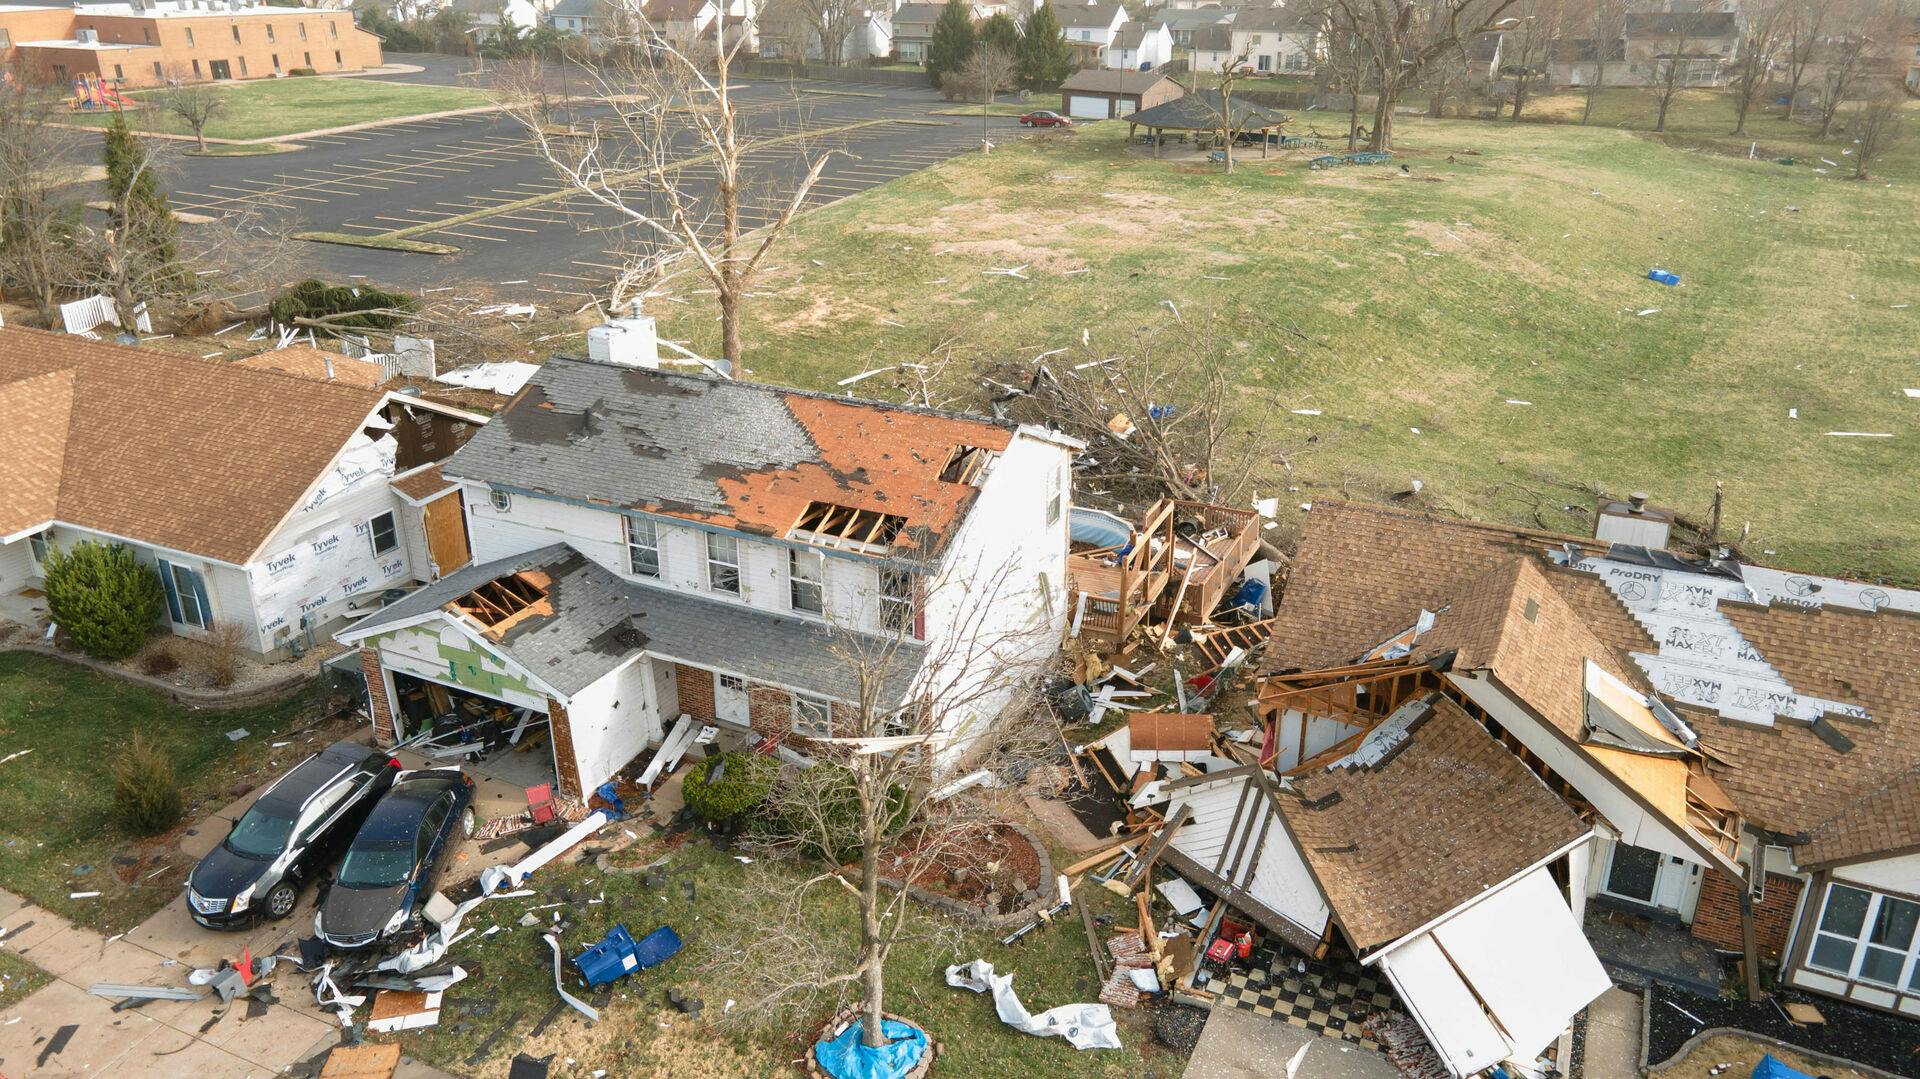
{"points": [[1704, 660]]}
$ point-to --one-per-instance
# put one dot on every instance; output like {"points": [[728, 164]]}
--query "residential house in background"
{"points": [[1140, 46], [281, 503], [652, 545], [141, 43], [1096, 94], [1745, 741]]}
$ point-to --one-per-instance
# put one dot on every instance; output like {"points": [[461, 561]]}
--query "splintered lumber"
{"points": [[1159, 845], [1105, 854]]}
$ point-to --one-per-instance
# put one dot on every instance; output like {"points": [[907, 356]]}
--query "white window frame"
{"points": [[637, 545], [798, 583], [812, 716], [373, 533], [1906, 981], [502, 501], [717, 567]]}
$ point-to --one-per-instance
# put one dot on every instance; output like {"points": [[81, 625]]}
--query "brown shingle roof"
{"points": [[195, 455], [1362, 574], [1399, 846]]}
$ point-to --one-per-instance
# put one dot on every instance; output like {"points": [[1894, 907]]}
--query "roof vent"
{"points": [[1633, 522]]}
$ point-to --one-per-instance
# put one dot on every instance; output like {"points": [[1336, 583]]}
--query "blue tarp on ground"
{"points": [[1769, 1068], [845, 1058]]}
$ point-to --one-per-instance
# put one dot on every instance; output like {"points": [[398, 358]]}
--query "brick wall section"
{"points": [[377, 702], [567, 766], [1717, 919], [696, 691], [771, 710]]}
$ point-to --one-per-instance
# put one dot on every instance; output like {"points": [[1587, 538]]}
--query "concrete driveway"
{"points": [[1238, 1044]]}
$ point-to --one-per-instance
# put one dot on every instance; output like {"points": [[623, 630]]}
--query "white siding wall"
{"points": [[612, 720], [1002, 586]]}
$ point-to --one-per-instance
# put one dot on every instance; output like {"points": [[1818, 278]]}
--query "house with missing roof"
{"points": [[1474, 734], [651, 545], [283, 494]]}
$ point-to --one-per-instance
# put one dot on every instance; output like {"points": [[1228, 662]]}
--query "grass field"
{"points": [[56, 829], [268, 108], [640, 1034], [1510, 266]]}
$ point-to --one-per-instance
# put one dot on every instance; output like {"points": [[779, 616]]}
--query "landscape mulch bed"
{"points": [[995, 861], [1852, 1033]]}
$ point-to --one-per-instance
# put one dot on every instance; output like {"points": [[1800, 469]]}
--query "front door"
{"points": [[221, 69], [730, 700]]}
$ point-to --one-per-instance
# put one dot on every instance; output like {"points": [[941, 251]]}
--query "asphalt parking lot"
{"points": [[409, 175]]}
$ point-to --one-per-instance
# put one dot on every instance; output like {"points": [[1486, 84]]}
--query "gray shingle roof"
{"points": [[600, 620]]}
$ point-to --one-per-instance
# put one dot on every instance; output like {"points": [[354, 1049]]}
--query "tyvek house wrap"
{"points": [[332, 559]]}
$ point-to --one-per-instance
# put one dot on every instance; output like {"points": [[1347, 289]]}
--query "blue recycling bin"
{"points": [[611, 959]]}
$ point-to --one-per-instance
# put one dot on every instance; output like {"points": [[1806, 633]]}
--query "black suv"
{"points": [[383, 883], [290, 833]]}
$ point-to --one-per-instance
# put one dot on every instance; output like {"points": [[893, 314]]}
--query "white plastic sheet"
{"points": [[1084, 1026]]}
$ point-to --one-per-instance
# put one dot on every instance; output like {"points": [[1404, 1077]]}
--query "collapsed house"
{"points": [[267, 494], [1472, 732], [655, 548]]}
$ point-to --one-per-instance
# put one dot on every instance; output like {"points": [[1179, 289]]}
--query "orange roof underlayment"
{"points": [[194, 455]]}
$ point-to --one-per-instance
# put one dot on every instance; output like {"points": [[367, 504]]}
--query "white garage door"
{"points": [[1523, 956], [1080, 106]]}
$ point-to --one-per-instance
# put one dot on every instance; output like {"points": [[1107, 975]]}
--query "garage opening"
{"points": [[448, 725]]}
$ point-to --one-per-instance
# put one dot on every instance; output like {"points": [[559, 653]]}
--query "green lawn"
{"points": [[1392, 303], [56, 832], [268, 108], [19, 979], [640, 1034]]}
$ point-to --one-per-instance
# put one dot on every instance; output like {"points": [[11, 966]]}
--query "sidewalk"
{"points": [[63, 1031]]}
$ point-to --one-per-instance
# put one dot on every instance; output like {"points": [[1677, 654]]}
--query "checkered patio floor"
{"points": [[1332, 997]]}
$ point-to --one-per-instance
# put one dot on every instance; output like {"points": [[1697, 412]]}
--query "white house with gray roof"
{"points": [[650, 545]]}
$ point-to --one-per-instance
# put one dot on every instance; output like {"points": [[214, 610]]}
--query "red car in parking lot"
{"points": [[1043, 118]]}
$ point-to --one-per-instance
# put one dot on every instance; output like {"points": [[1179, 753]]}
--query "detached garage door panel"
{"points": [[1524, 954], [1444, 1007], [1082, 107]]}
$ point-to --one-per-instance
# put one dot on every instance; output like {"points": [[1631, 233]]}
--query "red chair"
{"points": [[540, 803]]}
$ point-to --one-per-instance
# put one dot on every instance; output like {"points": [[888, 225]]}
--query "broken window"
{"points": [[845, 528], [643, 547], [723, 563], [385, 533], [899, 609], [812, 717], [502, 598], [966, 465], [806, 570]]}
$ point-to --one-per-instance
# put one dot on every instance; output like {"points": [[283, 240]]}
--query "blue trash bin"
{"points": [[613, 958]]}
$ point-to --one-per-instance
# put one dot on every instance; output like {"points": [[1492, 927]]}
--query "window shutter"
{"points": [[173, 597]]}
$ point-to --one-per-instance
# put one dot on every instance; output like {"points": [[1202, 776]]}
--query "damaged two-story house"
{"points": [[281, 494], [1724, 747], [650, 545]]}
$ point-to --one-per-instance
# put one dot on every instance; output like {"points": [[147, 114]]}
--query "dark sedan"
{"points": [[287, 836], [390, 867]]}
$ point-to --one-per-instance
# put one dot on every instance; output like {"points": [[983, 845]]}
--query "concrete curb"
{"points": [[188, 696], [1694, 1042]]}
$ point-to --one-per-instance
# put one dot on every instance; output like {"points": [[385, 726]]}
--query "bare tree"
{"points": [[673, 104], [1402, 37], [871, 796], [1671, 68], [1804, 20], [1875, 127], [989, 70], [196, 104], [1606, 24], [1845, 59], [1765, 24], [39, 161]]}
